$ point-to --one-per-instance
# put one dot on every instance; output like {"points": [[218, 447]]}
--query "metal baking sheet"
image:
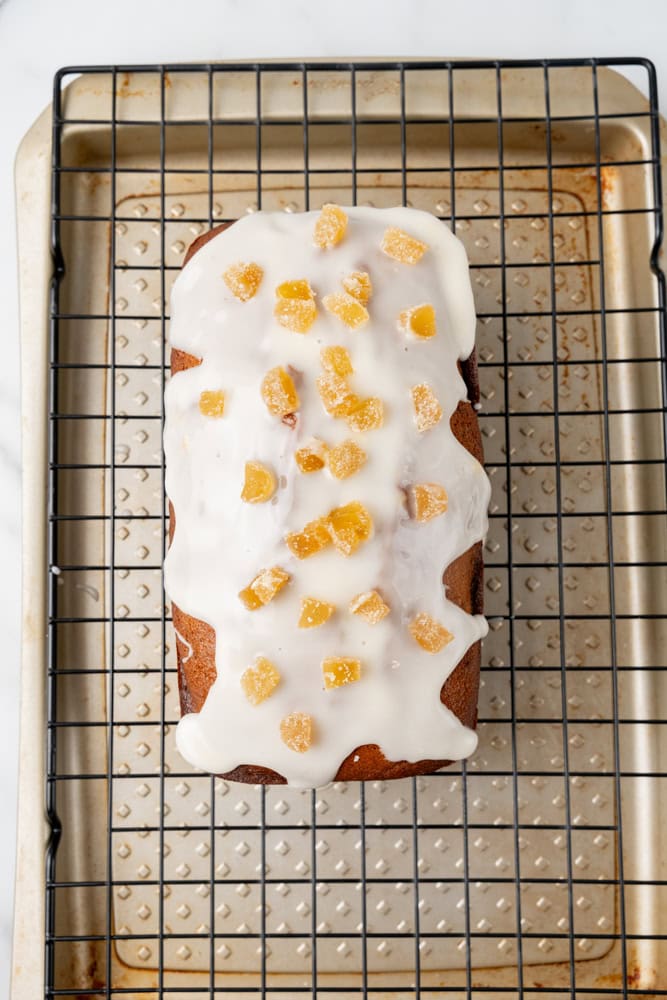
{"points": [[504, 873]]}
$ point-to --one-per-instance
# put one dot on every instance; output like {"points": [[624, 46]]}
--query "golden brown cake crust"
{"points": [[463, 584]]}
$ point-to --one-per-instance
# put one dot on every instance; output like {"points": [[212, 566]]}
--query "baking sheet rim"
{"points": [[33, 206]]}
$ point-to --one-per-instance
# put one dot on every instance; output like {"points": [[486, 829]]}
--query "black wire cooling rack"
{"points": [[535, 867]]}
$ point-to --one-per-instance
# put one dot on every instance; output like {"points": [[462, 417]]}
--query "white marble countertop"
{"points": [[39, 36]]}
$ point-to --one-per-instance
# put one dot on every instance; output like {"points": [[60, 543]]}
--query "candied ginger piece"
{"points": [[349, 526], [295, 307], [264, 587], [419, 320], [403, 247], [296, 731], [279, 393], [428, 500], [260, 483], [267, 584], [260, 681], [345, 459], [358, 284], [243, 279], [212, 403], [336, 360], [367, 415], [297, 289], [330, 227], [336, 395], [314, 612], [314, 537], [250, 599], [428, 411], [339, 670], [297, 315], [369, 606], [429, 633], [312, 456], [346, 308]]}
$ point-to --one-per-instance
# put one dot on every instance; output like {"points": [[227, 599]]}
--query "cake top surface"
{"points": [[319, 490]]}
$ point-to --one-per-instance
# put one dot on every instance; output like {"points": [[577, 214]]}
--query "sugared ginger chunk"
{"points": [[314, 537], [367, 415], [403, 247], [297, 289], [339, 670], [295, 307], [260, 681], [212, 403], [420, 320], [428, 411], [428, 500], [279, 392], [349, 527], [296, 731], [330, 228], [337, 361], [260, 483], [314, 612], [369, 606], [312, 457], [346, 308], [358, 284], [243, 280], [264, 587], [345, 459], [336, 395], [429, 633]]}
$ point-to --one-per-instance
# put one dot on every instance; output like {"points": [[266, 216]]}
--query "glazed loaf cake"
{"points": [[327, 498]]}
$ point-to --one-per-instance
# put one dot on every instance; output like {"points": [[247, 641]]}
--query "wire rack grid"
{"points": [[535, 867]]}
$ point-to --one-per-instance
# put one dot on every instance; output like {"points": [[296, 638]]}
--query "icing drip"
{"points": [[188, 648], [221, 542]]}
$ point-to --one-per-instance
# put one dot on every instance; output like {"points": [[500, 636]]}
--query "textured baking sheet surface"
{"points": [[390, 852], [506, 870]]}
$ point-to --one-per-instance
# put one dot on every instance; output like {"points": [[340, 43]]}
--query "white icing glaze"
{"points": [[188, 647], [220, 542]]}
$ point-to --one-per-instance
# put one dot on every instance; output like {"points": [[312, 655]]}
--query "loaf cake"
{"points": [[327, 498]]}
